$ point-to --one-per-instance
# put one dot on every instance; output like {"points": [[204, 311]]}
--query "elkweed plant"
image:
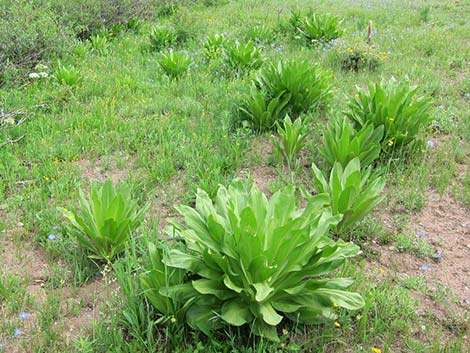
{"points": [[67, 75], [353, 192], [393, 105], [243, 57], [292, 140], [175, 64], [106, 220], [213, 46], [253, 261], [307, 86], [161, 37], [262, 112], [316, 28], [342, 143]]}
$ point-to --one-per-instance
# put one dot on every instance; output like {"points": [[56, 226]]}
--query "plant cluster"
{"points": [[392, 104]]}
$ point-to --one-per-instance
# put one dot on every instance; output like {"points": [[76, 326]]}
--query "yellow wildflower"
{"points": [[382, 270], [391, 119], [337, 324], [376, 350], [209, 19], [390, 142], [335, 305]]}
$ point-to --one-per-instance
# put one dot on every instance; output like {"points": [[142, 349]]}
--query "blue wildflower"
{"points": [[24, 315], [425, 267], [437, 256], [430, 143], [422, 233], [467, 94], [51, 236], [17, 332]]}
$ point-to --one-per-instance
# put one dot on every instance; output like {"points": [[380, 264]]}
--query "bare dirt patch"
{"points": [[445, 224], [116, 168]]}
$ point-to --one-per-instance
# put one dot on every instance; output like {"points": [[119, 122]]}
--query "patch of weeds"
{"points": [[405, 242]]}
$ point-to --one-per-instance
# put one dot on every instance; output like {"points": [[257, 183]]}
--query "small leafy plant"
{"points": [[306, 85], [261, 34], [161, 37], [317, 28], [175, 64], [243, 57], [156, 276], [353, 192], [214, 45], [262, 112], [67, 75], [253, 261], [393, 105], [106, 220], [99, 43], [292, 140], [342, 143]]}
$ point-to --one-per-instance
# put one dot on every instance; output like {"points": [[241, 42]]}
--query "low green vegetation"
{"points": [[224, 176]]}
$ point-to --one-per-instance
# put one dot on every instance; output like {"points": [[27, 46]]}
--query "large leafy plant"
{"points": [[318, 28], [253, 261], [353, 192], [307, 86], [262, 112], [342, 143], [393, 105], [105, 221]]}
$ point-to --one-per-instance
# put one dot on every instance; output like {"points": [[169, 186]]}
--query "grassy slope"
{"points": [[170, 137]]}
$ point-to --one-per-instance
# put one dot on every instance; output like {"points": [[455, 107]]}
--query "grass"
{"points": [[165, 138]]}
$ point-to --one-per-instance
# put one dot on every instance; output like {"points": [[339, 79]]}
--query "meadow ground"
{"points": [[127, 121]]}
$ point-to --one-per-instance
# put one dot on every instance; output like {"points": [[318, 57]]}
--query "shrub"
{"points": [[356, 56], [307, 86], [392, 104], [292, 140], [175, 64], [29, 34], [353, 193], [253, 261], [317, 28], [106, 221], [243, 57], [342, 143], [162, 37], [262, 112], [86, 17]]}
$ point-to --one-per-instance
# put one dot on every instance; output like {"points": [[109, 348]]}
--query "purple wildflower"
{"points": [[437, 256], [425, 267], [422, 233]]}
